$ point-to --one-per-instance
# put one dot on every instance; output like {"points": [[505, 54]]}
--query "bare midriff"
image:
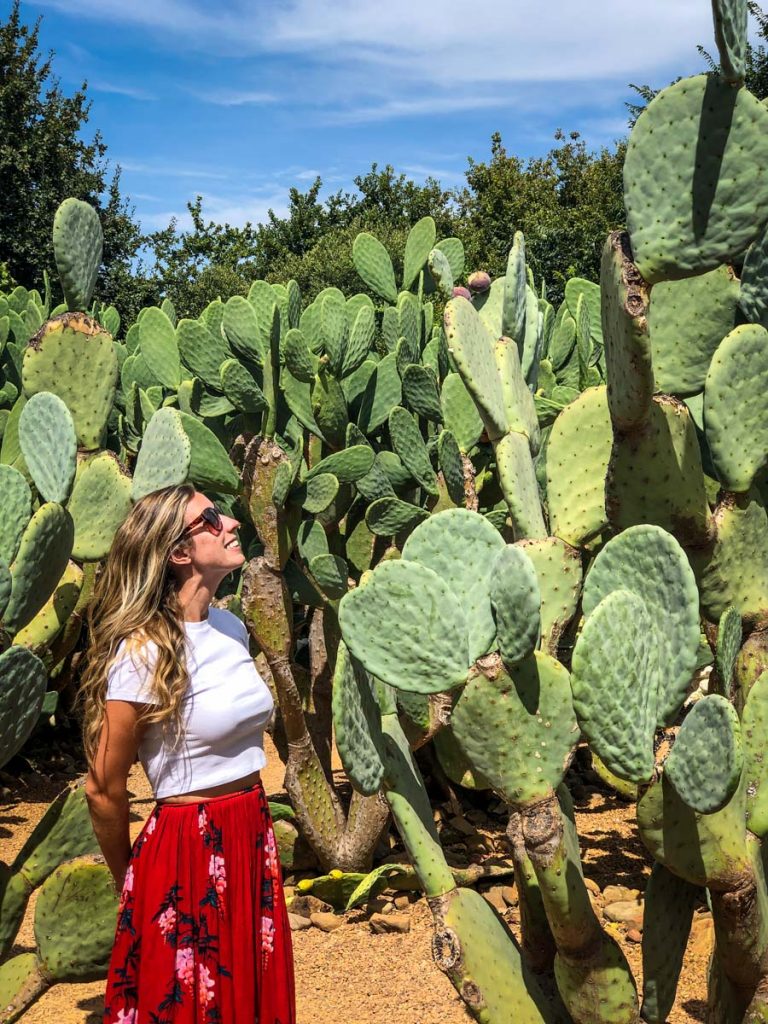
{"points": [[204, 794]]}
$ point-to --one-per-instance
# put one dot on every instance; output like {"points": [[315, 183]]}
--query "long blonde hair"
{"points": [[136, 600]]}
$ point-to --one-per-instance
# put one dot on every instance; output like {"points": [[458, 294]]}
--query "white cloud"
{"points": [[438, 41], [237, 210], [168, 170], [120, 90], [359, 61], [234, 97]]}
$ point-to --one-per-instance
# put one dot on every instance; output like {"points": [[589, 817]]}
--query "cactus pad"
{"points": [[23, 680], [615, 677], [387, 516], [706, 761], [420, 240], [735, 571], [731, 22], [514, 307], [48, 444], [734, 421], [49, 621], [519, 486], [705, 849], [407, 628], [382, 393], [164, 456], [460, 414], [202, 350], [516, 603], [15, 510], [471, 346], [666, 447], [651, 564], [39, 564], [687, 320], [75, 921], [462, 548], [157, 341], [577, 461], [727, 650], [409, 445], [357, 723], [77, 245], [474, 948], [518, 400], [667, 918], [374, 266], [517, 728], [75, 359], [696, 177], [558, 571], [246, 323], [240, 387], [754, 725], [421, 391], [101, 499], [209, 465]]}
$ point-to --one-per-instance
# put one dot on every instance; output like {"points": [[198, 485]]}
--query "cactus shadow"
{"points": [[94, 1007], [696, 1008]]}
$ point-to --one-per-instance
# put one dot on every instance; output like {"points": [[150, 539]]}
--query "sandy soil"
{"points": [[352, 975]]}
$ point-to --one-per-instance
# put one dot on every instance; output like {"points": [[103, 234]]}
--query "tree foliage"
{"points": [[565, 203], [44, 158]]}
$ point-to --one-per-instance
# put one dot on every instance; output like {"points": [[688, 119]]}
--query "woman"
{"points": [[202, 929]]}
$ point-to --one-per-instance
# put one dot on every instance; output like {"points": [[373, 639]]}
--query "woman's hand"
{"points": [[106, 787]]}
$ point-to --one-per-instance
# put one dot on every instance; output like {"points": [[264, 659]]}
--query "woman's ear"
{"points": [[180, 555]]}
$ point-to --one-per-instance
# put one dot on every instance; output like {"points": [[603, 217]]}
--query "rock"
{"points": [[307, 905], [380, 923], [326, 922], [633, 935], [460, 824], [378, 904], [297, 922], [495, 897], [509, 895], [402, 902], [616, 893], [476, 816], [592, 886], [625, 912]]}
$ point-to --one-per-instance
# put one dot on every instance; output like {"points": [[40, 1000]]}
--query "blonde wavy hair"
{"points": [[136, 600]]}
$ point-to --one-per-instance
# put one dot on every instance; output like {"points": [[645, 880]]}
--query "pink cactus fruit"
{"points": [[461, 292], [479, 281]]}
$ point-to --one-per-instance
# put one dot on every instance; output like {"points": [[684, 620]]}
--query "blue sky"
{"points": [[241, 102]]}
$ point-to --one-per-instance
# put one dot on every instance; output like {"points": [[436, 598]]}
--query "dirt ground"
{"points": [[358, 977]]}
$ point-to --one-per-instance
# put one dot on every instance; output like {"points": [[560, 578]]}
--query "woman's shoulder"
{"points": [[226, 622]]}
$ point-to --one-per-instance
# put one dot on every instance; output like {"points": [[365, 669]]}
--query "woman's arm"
{"points": [[106, 787]]}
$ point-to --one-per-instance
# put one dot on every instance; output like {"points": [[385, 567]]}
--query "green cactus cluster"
{"points": [[469, 519]]}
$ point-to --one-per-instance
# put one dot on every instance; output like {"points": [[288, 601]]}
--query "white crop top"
{"points": [[225, 709]]}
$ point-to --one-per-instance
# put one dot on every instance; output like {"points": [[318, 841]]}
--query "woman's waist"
{"points": [[225, 789]]}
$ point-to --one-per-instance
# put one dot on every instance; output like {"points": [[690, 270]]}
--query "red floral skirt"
{"points": [[202, 930]]}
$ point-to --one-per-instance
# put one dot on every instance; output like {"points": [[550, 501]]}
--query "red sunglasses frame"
{"points": [[211, 519]]}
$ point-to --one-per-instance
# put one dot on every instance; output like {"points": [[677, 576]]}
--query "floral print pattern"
{"points": [[189, 925]]}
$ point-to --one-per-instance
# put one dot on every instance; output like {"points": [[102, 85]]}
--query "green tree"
{"points": [[44, 159], [565, 203], [312, 243]]}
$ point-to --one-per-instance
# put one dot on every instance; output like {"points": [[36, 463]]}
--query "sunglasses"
{"points": [[211, 519]]}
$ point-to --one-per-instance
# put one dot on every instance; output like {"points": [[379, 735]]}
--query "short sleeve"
{"points": [[130, 675]]}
